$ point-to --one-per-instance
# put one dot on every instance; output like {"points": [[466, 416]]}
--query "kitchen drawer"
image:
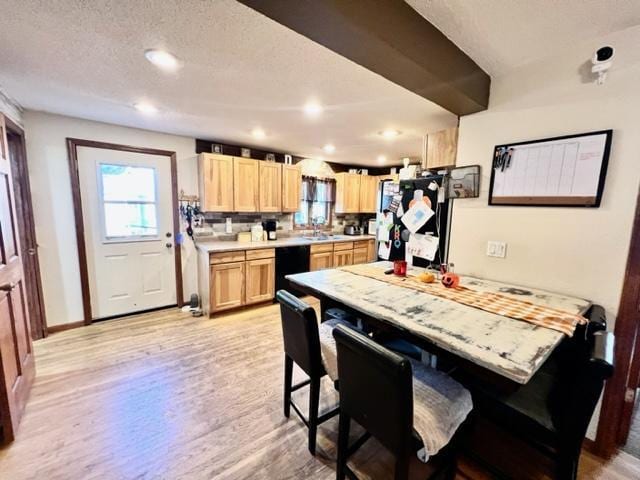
{"points": [[361, 244], [226, 257], [261, 253], [343, 246], [324, 247]]}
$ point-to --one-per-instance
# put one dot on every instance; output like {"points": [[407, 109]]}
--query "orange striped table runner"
{"points": [[544, 316]]}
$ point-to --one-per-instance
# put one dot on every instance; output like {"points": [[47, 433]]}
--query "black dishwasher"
{"points": [[290, 260]]}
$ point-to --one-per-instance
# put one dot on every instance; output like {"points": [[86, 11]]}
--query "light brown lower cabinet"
{"points": [[371, 251], [320, 261], [227, 283], [360, 255], [232, 279], [342, 258], [260, 281]]}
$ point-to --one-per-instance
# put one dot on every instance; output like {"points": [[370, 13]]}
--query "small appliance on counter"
{"points": [[270, 226], [352, 230], [256, 233]]}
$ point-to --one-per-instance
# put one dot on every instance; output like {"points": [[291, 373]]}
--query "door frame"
{"points": [[613, 411], [72, 151], [26, 225]]}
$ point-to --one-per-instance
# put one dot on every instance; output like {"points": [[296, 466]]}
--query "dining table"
{"points": [[508, 348]]}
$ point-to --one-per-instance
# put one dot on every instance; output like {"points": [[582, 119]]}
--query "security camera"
{"points": [[602, 61]]}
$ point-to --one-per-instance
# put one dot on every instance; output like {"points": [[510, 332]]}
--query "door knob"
{"points": [[31, 251], [168, 244], [7, 287]]}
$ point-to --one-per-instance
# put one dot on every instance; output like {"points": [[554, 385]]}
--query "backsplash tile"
{"points": [[242, 222]]}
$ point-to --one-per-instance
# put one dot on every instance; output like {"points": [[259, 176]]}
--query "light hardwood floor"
{"points": [[165, 395]]}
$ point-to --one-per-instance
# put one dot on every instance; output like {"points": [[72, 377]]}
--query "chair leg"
{"points": [[343, 445], [452, 468], [288, 379], [567, 464], [402, 467], [314, 402]]}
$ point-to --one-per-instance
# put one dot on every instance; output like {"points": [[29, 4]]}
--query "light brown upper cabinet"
{"points": [[347, 192], [246, 173], [291, 187], [442, 148], [215, 177], [270, 187], [368, 193]]}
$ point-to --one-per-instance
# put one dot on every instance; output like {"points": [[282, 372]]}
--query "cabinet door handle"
{"points": [[7, 287]]}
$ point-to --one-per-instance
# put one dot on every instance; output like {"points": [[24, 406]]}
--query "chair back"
{"points": [[376, 388], [584, 363], [300, 333]]}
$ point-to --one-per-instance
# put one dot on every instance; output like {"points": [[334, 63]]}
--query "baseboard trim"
{"points": [[65, 326]]}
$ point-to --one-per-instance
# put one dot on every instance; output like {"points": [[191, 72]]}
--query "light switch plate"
{"points": [[496, 249]]}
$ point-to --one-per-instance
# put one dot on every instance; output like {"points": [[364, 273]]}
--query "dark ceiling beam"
{"points": [[391, 39]]}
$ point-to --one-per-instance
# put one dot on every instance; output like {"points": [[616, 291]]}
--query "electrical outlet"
{"points": [[496, 249]]}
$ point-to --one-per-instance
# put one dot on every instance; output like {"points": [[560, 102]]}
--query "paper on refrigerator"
{"points": [[423, 246], [417, 216]]}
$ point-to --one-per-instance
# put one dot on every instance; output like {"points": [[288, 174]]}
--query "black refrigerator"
{"points": [[438, 225]]}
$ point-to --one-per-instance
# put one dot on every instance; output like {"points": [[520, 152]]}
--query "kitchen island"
{"points": [[511, 348]]}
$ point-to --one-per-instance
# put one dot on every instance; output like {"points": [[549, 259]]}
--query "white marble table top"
{"points": [[512, 348]]}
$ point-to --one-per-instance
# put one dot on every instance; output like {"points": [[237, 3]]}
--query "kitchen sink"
{"points": [[325, 237], [318, 238]]}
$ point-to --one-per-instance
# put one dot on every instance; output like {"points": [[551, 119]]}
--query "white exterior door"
{"points": [[128, 221]]}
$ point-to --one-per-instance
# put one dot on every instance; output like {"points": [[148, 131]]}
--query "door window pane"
{"points": [[130, 220], [128, 201], [125, 183]]}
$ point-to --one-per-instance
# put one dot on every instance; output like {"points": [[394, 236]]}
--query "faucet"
{"points": [[316, 222]]}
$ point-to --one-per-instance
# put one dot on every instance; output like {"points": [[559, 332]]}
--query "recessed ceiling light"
{"points": [[328, 148], [162, 59], [382, 159], [146, 108], [258, 133], [389, 133], [313, 109]]}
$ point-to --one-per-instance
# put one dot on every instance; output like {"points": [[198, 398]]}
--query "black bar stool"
{"points": [[404, 404], [313, 349]]}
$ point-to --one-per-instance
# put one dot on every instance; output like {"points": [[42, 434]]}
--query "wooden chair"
{"points": [[304, 343], [396, 400], [553, 410]]}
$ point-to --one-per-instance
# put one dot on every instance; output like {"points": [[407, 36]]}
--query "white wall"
{"points": [[578, 251], [53, 208]]}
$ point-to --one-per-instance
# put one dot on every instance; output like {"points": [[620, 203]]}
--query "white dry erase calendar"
{"points": [[562, 171]]}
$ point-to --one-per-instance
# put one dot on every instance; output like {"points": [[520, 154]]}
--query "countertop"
{"points": [[214, 246]]}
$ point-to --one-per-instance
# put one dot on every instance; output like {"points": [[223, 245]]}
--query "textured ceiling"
{"points": [[503, 34], [241, 70]]}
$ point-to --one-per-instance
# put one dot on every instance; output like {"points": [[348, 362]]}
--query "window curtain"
{"points": [[316, 189]]}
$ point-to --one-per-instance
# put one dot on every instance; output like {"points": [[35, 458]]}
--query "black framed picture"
{"points": [[566, 171]]}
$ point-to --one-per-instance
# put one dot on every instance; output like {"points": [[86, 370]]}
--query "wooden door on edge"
{"points": [[17, 369]]}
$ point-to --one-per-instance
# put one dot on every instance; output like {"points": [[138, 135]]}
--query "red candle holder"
{"points": [[400, 268]]}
